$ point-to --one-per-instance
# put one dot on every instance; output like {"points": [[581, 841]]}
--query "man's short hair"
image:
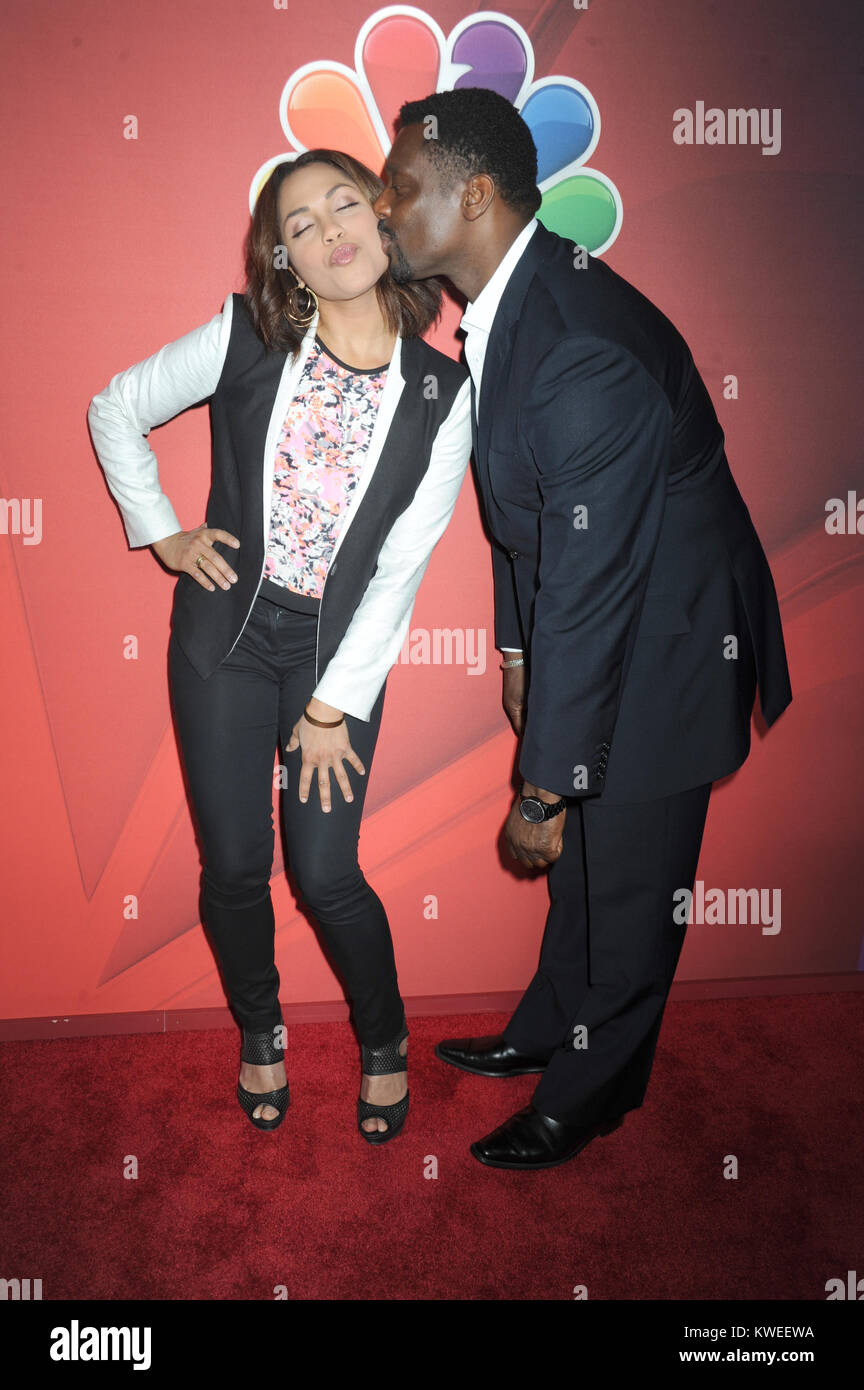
{"points": [[480, 132]]}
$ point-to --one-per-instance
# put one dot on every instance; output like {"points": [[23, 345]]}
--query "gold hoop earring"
{"points": [[301, 318]]}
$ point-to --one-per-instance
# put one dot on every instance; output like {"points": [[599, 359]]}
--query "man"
{"points": [[633, 604]]}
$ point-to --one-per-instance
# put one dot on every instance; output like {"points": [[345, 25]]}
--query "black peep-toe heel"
{"points": [[378, 1061], [260, 1050]]}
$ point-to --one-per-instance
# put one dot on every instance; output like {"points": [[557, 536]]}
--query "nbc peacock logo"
{"points": [[402, 54]]}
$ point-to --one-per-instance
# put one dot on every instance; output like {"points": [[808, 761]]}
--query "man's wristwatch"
{"points": [[533, 809]]}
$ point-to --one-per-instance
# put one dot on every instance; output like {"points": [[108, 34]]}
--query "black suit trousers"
{"points": [[610, 949]]}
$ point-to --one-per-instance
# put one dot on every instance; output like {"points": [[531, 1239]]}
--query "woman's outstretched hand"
{"points": [[323, 751], [180, 552]]}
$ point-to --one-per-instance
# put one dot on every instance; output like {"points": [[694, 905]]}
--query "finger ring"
{"points": [[198, 560]]}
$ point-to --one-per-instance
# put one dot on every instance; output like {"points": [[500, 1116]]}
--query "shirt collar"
{"points": [[394, 365], [481, 312]]}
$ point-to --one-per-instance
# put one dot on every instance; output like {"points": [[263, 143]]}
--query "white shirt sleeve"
{"points": [[181, 374], [359, 667]]}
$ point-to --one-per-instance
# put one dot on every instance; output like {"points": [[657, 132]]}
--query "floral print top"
{"points": [[319, 458]]}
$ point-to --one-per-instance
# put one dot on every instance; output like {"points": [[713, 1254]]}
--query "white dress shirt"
{"points": [[480, 315]]}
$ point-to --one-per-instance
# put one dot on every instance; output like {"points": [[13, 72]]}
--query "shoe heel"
{"points": [[378, 1061]]}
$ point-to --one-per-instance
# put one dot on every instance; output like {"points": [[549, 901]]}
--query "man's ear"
{"points": [[477, 197]]}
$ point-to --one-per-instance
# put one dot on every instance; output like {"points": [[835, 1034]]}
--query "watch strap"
{"points": [[550, 808]]}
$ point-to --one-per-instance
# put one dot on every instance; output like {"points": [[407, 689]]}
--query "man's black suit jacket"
{"points": [[625, 561]]}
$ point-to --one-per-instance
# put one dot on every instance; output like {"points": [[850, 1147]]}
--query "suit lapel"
{"points": [[496, 350]]}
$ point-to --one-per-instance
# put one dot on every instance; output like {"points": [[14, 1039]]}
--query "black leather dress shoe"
{"points": [[489, 1056], [530, 1140]]}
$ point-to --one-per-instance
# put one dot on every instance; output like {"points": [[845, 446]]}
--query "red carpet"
{"points": [[222, 1211]]}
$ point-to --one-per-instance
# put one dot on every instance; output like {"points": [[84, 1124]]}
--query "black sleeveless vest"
{"points": [[208, 625]]}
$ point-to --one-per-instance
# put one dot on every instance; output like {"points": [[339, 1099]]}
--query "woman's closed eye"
{"points": [[301, 230]]}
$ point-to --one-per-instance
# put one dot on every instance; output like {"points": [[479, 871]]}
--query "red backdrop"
{"points": [[116, 246]]}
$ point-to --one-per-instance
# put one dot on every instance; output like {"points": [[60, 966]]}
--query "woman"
{"points": [[337, 432]]}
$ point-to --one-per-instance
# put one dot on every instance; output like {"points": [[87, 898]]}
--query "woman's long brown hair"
{"points": [[408, 309]]}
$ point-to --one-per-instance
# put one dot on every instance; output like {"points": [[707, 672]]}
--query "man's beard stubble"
{"points": [[400, 268]]}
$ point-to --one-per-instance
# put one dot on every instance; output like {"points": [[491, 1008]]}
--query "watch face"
{"points": [[532, 809]]}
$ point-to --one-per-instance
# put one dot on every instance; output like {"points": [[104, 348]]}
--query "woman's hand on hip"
{"points": [[180, 552], [323, 751]]}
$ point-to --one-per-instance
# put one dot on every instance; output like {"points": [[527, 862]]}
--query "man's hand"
{"points": [[535, 846], [513, 693]]}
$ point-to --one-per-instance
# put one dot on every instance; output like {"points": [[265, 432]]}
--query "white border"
{"points": [[448, 73], [454, 70], [406, 11], [551, 183], [266, 168], [322, 66], [595, 112]]}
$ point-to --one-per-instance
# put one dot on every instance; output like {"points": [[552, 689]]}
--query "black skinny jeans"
{"points": [[228, 726]]}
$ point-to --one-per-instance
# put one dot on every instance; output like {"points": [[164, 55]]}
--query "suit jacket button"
{"points": [[514, 554]]}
